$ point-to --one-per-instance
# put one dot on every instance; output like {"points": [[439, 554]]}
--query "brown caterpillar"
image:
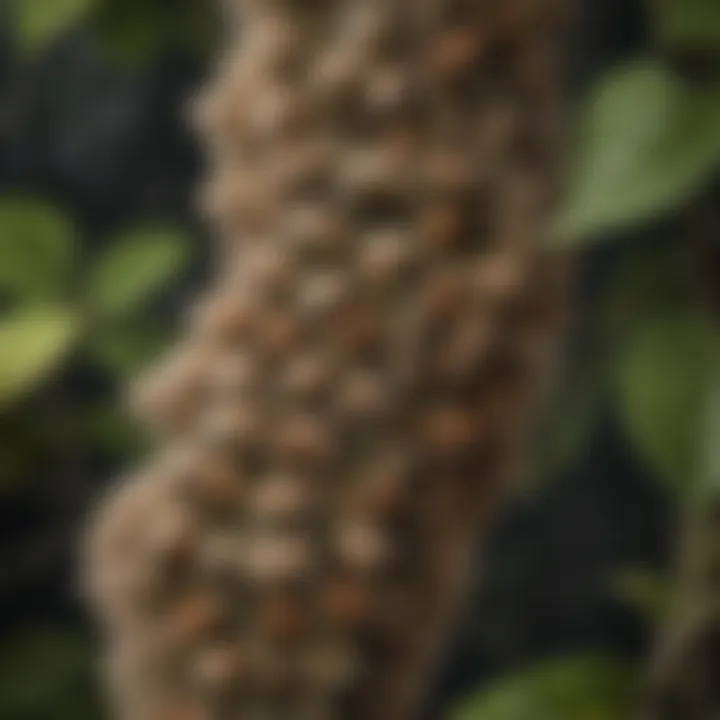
{"points": [[353, 388]]}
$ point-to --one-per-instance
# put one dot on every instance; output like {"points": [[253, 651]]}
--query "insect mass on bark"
{"points": [[352, 391]]}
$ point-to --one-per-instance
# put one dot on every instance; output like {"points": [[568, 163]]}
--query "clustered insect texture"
{"points": [[352, 389]]}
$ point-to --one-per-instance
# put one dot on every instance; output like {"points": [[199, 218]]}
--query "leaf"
{"points": [[136, 31], [38, 247], [576, 688], [134, 269], [648, 145], [41, 22], [688, 23], [662, 379], [32, 344], [132, 30], [126, 350], [644, 591]]}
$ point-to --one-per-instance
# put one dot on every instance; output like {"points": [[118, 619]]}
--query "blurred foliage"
{"points": [[39, 22], [36, 249], [63, 310], [133, 269], [648, 150], [134, 30], [648, 147], [32, 343], [647, 144], [81, 311], [663, 376], [98, 313], [576, 688], [131, 30], [689, 23]]}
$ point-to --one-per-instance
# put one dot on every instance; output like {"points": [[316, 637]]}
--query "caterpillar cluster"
{"points": [[349, 397]]}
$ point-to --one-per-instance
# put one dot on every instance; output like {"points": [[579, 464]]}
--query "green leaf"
{"points": [[644, 591], [134, 269], [136, 31], [132, 30], [41, 22], [38, 247], [649, 143], [577, 688], [127, 349], [663, 375], [688, 23], [32, 344]]}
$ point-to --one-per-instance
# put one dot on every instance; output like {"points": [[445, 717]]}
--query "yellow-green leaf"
{"points": [[32, 344], [134, 268], [40, 22]]}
